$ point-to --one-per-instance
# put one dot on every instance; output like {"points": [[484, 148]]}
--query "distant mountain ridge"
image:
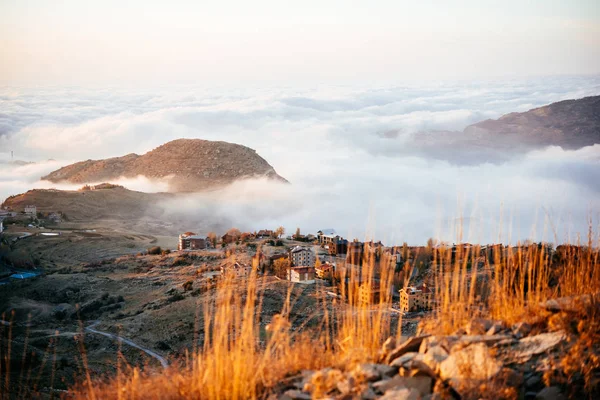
{"points": [[570, 124], [189, 164]]}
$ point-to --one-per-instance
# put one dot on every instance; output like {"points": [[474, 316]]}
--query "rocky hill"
{"points": [[189, 164]]}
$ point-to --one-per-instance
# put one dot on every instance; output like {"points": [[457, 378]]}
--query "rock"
{"points": [[495, 329], [521, 329], [434, 356], [368, 394], [572, 303], [550, 393], [346, 386], [295, 395], [387, 347], [368, 372], [445, 341], [432, 396], [478, 326], [533, 382], [409, 345], [421, 383], [325, 379], [532, 345], [401, 394], [509, 377], [469, 366], [403, 359]]}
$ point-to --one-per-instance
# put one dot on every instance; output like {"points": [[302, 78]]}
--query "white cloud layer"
{"points": [[343, 149]]}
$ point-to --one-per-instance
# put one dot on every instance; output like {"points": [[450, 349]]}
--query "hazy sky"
{"points": [[232, 42]]}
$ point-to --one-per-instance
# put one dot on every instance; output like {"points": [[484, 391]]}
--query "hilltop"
{"points": [[189, 164]]}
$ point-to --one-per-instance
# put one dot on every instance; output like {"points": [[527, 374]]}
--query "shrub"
{"points": [[156, 250], [188, 285]]}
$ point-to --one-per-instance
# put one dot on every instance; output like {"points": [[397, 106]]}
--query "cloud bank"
{"points": [[343, 149]]}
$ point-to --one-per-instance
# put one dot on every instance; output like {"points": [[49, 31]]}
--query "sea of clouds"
{"points": [[343, 148]]}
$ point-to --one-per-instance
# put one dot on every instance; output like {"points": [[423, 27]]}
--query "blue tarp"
{"points": [[23, 275]]}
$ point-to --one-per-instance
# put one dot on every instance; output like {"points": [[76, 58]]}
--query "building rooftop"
{"points": [[328, 232]]}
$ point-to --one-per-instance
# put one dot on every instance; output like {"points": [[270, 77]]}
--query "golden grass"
{"points": [[239, 358]]}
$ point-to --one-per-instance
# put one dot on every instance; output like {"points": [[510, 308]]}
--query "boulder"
{"points": [[401, 394], [550, 393], [533, 345], [434, 356], [421, 383], [521, 329], [295, 395], [372, 372], [403, 359], [468, 367], [409, 345], [478, 326]]}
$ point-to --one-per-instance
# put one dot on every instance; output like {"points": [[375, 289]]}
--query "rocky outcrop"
{"points": [[502, 362], [188, 165]]}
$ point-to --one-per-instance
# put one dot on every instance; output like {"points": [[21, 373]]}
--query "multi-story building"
{"points": [[302, 256], [236, 269], [416, 298], [191, 241], [369, 293], [325, 271]]}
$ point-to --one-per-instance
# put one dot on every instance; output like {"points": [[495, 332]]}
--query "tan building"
{"points": [[301, 274], [191, 241], [236, 269], [369, 293], [325, 271], [302, 257], [416, 298]]}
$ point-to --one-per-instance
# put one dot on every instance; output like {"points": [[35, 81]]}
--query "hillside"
{"points": [[189, 165], [571, 124], [84, 205]]}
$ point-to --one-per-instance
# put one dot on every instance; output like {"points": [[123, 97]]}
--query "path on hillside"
{"points": [[163, 361]]}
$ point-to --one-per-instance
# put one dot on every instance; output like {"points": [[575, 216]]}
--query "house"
{"points": [[191, 241], [302, 256], [416, 298], [7, 213], [30, 210], [236, 269], [265, 234], [1, 226], [301, 274], [229, 238], [325, 271]]}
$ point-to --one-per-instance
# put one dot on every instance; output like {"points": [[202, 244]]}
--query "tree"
{"points": [[280, 267], [212, 238], [235, 232], [279, 232], [297, 234], [405, 252]]}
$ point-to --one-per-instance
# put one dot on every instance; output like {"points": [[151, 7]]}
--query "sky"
{"points": [[232, 43], [328, 92]]}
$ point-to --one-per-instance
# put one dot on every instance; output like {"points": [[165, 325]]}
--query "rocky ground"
{"points": [[485, 360]]}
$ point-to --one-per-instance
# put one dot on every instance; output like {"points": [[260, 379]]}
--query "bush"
{"points": [[189, 285], [166, 251], [179, 261], [156, 250]]}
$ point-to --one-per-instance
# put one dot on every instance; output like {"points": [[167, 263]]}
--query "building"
{"points": [[416, 298], [54, 217], [338, 247], [236, 269], [302, 256], [355, 253], [229, 238], [1, 226], [369, 293], [191, 241], [301, 274], [265, 234], [30, 210], [327, 236], [325, 271]]}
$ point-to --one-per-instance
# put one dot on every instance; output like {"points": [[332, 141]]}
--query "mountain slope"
{"points": [[571, 124], [189, 164]]}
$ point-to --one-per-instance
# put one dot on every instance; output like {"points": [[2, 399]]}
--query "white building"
{"points": [[237, 269], [31, 210], [302, 256], [1, 226]]}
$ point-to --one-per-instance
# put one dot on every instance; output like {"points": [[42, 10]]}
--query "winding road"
{"points": [[163, 361]]}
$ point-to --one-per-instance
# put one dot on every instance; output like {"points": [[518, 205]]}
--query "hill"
{"points": [[189, 165], [570, 124], [112, 202]]}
